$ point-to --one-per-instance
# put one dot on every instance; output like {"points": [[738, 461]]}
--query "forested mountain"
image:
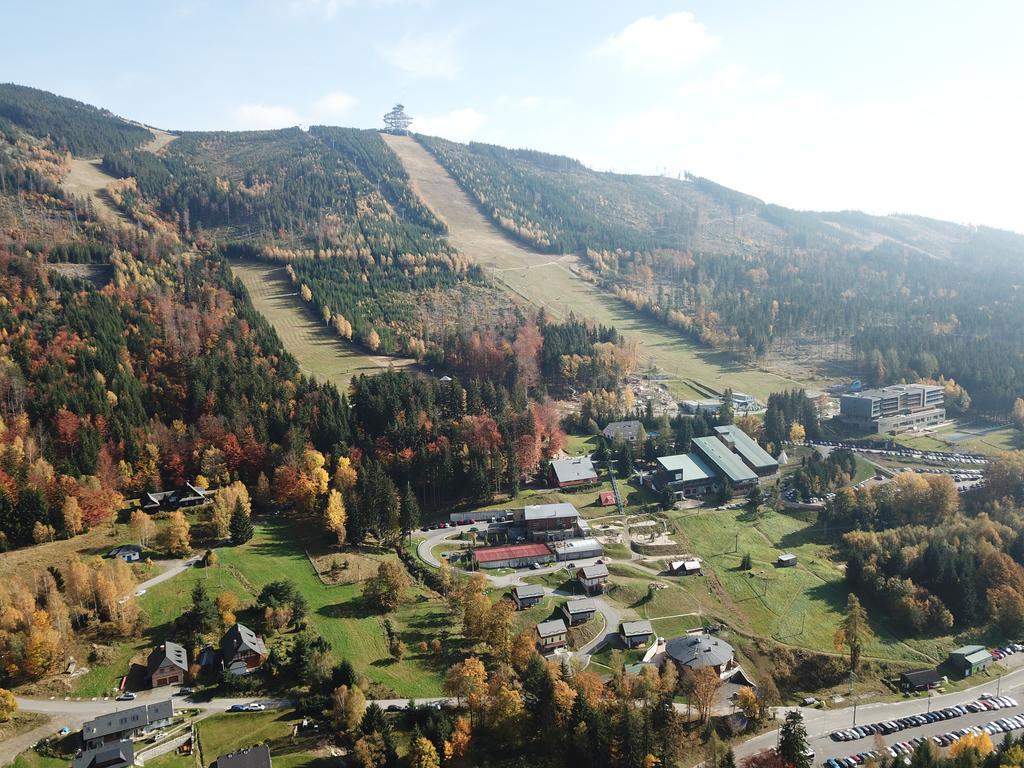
{"points": [[71, 125], [912, 297]]}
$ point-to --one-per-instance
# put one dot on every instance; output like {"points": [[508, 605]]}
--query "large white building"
{"points": [[895, 409]]}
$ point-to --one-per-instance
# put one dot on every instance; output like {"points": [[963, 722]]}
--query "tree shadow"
{"points": [[350, 609]]}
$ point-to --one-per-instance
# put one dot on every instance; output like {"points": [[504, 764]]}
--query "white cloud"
{"points": [[334, 104], [668, 43], [459, 124], [769, 82], [264, 116], [423, 55], [328, 9]]}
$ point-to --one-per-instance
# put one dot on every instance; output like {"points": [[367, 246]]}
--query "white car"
{"points": [[255, 706]]}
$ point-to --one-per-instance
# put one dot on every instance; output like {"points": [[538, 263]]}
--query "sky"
{"points": [[887, 107]]}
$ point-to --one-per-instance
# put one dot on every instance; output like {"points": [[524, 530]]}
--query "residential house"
{"points": [[579, 610], [130, 553], [578, 472], [593, 578], [527, 596], [186, 496], [552, 635], [127, 723], [252, 757], [630, 431], [635, 633], [242, 650], [167, 665], [116, 754]]}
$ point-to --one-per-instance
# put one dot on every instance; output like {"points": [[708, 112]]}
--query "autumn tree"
{"points": [[749, 703], [348, 705], [466, 680], [371, 751], [388, 588], [854, 632], [142, 527], [457, 745], [177, 535], [423, 754], [335, 515], [703, 684], [72, 515], [978, 743], [8, 705]]}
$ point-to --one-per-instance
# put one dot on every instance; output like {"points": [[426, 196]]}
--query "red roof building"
{"points": [[607, 499], [515, 556]]}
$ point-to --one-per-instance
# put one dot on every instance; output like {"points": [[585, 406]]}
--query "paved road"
{"points": [[821, 723], [172, 569]]}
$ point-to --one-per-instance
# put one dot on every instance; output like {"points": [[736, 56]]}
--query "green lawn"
{"points": [[997, 441], [160, 606], [32, 759], [338, 614]]}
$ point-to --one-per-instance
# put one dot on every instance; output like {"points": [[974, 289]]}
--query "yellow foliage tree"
{"points": [[178, 542], [977, 742], [8, 705], [348, 707], [422, 754], [72, 514], [458, 744], [335, 515]]}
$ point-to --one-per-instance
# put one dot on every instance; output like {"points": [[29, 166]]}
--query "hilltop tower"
{"points": [[396, 121]]}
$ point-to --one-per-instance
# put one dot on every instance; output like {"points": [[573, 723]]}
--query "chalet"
{"points": [[187, 496], [552, 634], [919, 680], [242, 650], [527, 596], [786, 560], [251, 757], [512, 556], [579, 610], [635, 633], [116, 754], [130, 553], [126, 724], [593, 578], [630, 431], [167, 665], [577, 472], [690, 567]]}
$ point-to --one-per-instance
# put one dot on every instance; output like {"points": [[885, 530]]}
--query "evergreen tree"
{"points": [[241, 526], [410, 509], [793, 741]]}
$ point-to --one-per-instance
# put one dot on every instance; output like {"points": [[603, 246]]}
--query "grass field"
{"points": [[319, 350], [799, 606], [554, 282], [997, 441], [338, 614]]}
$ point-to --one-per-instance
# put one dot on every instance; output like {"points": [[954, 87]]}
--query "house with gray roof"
{"points": [[552, 634], [701, 651], [549, 522], [630, 431], [577, 472], [579, 610], [635, 633], [593, 577], [969, 659], [685, 476], [527, 595], [167, 665], [251, 757], [127, 723], [242, 650], [116, 754]]}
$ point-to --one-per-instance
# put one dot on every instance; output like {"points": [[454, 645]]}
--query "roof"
{"points": [[624, 429], [253, 757], [787, 556], [978, 657], [549, 628], [127, 719], [685, 565], [240, 638], [690, 465], [116, 754], [568, 546], [747, 447], [966, 650], [921, 676], [574, 470], [597, 571], [715, 451], [580, 605], [549, 511], [512, 552], [168, 653], [607, 498], [699, 650], [528, 590], [120, 548], [635, 628]]}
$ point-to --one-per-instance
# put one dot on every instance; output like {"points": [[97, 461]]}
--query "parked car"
{"points": [[255, 706], [126, 696]]}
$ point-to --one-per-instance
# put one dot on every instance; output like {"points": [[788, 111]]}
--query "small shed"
{"points": [[130, 553], [689, 567], [919, 680], [786, 560]]}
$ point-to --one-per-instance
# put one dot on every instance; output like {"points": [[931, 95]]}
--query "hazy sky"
{"points": [[912, 107]]}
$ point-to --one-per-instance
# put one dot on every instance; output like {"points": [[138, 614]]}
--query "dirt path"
{"points": [[556, 284], [318, 349]]}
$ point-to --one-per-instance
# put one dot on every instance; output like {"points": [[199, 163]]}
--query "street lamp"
{"points": [[853, 679]]}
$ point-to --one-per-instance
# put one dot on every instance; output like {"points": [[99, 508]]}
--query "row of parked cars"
{"points": [[983, 703]]}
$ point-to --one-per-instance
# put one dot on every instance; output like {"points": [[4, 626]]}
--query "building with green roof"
{"points": [[750, 453], [726, 464]]}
